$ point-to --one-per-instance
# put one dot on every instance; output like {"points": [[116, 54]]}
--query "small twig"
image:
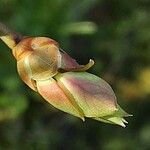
{"points": [[4, 30]]}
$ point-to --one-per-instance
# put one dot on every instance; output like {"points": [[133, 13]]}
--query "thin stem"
{"points": [[4, 31]]}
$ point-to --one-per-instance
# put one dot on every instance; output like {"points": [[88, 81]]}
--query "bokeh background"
{"points": [[116, 34]]}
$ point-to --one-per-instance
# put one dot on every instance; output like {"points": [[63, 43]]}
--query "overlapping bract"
{"points": [[65, 84]]}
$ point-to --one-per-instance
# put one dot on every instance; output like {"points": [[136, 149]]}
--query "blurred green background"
{"points": [[116, 34]]}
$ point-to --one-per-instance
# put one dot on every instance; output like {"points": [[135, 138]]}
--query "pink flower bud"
{"points": [[61, 81], [90, 95]]}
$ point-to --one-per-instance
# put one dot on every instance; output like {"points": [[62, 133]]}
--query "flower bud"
{"points": [[40, 58], [90, 95], [60, 80]]}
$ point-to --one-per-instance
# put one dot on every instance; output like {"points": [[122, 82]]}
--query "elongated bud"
{"points": [[83, 95], [61, 81]]}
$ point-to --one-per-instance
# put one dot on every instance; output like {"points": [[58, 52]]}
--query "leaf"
{"points": [[92, 94], [54, 94]]}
